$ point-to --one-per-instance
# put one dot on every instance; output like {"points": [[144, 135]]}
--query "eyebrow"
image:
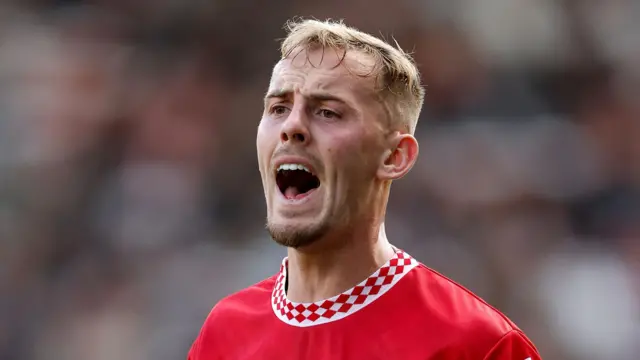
{"points": [[317, 96]]}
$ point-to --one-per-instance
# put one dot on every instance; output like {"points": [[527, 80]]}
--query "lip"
{"points": [[293, 160]]}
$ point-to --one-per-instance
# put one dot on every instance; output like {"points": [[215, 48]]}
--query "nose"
{"points": [[295, 128]]}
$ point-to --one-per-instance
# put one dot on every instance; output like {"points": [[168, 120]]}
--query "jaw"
{"points": [[297, 224]]}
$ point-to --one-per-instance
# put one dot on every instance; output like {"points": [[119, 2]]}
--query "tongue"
{"points": [[292, 193]]}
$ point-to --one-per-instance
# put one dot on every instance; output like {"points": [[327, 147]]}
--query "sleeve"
{"points": [[514, 345], [204, 345], [193, 351]]}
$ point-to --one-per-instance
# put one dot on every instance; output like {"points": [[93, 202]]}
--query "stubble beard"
{"points": [[297, 236], [301, 235]]}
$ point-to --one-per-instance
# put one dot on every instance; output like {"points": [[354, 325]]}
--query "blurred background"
{"points": [[130, 200]]}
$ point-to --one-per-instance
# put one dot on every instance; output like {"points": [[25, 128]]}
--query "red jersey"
{"points": [[402, 311]]}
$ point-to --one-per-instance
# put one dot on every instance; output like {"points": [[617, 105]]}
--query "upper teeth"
{"points": [[293, 167]]}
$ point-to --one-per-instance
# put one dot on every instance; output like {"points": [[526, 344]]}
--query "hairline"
{"points": [[381, 92], [396, 76]]}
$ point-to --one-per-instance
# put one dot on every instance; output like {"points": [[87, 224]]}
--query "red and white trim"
{"points": [[345, 304]]}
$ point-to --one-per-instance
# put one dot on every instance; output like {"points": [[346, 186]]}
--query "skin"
{"points": [[319, 113]]}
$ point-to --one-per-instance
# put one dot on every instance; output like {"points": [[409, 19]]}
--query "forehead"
{"points": [[326, 69]]}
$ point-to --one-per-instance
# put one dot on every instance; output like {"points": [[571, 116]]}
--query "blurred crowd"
{"points": [[130, 200]]}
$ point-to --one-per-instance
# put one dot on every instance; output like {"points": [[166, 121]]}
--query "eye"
{"points": [[328, 114], [278, 109]]}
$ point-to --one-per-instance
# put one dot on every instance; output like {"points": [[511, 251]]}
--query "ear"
{"points": [[399, 158]]}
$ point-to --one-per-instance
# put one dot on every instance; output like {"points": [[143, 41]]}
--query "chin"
{"points": [[296, 235]]}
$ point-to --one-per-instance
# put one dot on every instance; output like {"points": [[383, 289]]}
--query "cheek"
{"points": [[267, 134], [265, 144], [351, 154]]}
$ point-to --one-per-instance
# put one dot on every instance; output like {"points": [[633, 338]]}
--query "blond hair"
{"points": [[397, 74]]}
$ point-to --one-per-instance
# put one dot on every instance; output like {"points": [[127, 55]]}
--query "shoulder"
{"points": [[254, 298], [236, 310], [448, 296], [465, 318]]}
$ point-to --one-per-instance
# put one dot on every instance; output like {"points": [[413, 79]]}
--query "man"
{"points": [[336, 130]]}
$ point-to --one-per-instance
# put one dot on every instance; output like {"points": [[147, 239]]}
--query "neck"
{"points": [[314, 275]]}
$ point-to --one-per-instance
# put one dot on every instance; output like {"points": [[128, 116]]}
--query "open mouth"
{"points": [[296, 181]]}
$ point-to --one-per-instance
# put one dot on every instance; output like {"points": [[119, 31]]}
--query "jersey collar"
{"points": [[342, 305]]}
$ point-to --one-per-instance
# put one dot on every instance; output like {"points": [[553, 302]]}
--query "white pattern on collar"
{"points": [[345, 304]]}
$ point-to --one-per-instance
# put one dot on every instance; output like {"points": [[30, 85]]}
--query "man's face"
{"points": [[320, 143]]}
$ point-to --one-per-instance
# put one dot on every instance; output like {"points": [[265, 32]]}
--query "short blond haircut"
{"points": [[397, 74]]}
